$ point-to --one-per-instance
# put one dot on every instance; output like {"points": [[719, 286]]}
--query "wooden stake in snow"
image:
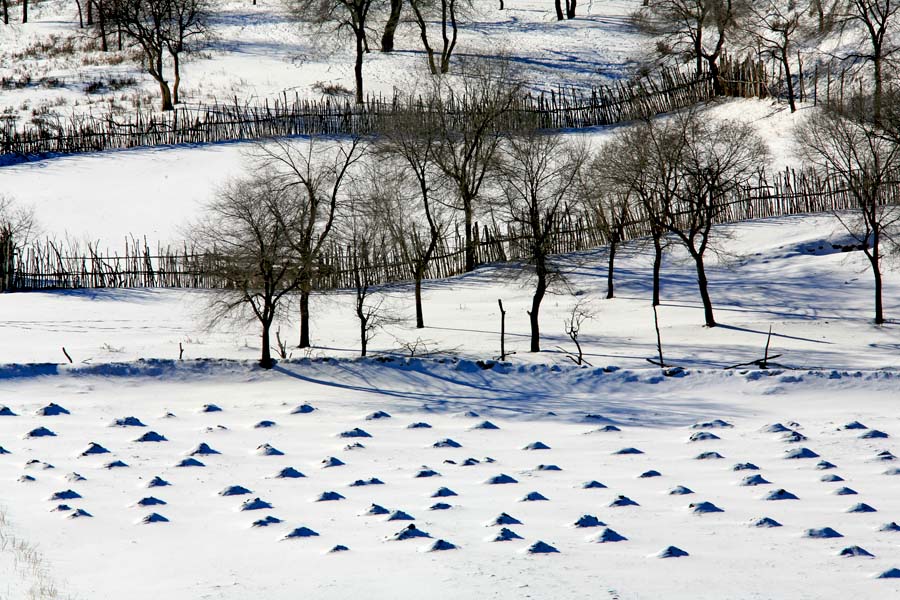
{"points": [[67, 354]]}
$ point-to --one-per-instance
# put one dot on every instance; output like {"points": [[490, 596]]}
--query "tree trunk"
{"points": [[363, 342], [90, 12], [6, 12], [535, 311], [470, 240], [265, 360], [657, 267], [570, 8], [610, 291], [80, 15], [166, 94], [559, 10], [703, 285], [420, 318], [713, 65], [101, 14], [390, 28], [24, 11], [879, 88], [875, 259], [786, 63], [176, 66], [357, 67], [304, 319]]}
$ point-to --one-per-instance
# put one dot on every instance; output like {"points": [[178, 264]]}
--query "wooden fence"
{"points": [[666, 90], [50, 266]]}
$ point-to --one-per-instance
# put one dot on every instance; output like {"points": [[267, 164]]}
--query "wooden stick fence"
{"points": [[49, 266]]}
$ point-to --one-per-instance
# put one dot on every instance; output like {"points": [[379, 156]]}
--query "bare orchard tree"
{"points": [[446, 14], [250, 248], [318, 176], [17, 227], [468, 119], [866, 163], [189, 24], [714, 160], [147, 24], [334, 16], [692, 30], [878, 21], [414, 217], [773, 26], [537, 174]]}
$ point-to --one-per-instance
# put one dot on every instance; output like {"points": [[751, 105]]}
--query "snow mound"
{"points": [[127, 422], [487, 425], [889, 574], [506, 535], [824, 465], [894, 471], [265, 522], [356, 432], [470, 462], [540, 547], [775, 428], [203, 449], [504, 519], [607, 536], [354, 446], [766, 522], [40, 432], [365, 482], [154, 518], [536, 446], [592, 485], [152, 436], [873, 434], [861, 507], [533, 497], [885, 455], [64, 495], [52, 410], [329, 497], [605, 429], [426, 472], [446, 443], [795, 453], [289, 473], [39, 463], [671, 552], [332, 461], [440, 506], [73, 477], [441, 545], [854, 425], [6, 411], [157, 482], [408, 533], [210, 408], [855, 551], [444, 492], [79, 514], [61, 508], [469, 414], [190, 462], [780, 494], [793, 437], [376, 510], [714, 424], [588, 521], [822, 533], [699, 508], [623, 501], [625, 451], [418, 425], [701, 436], [649, 474], [892, 526], [338, 548], [378, 414], [265, 424], [301, 532], [255, 504], [844, 491], [150, 501], [235, 490], [26, 479], [268, 450], [303, 409], [747, 466], [831, 478], [94, 448], [680, 490], [4, 451], [751, 480], [708, 456], [116, 464]]}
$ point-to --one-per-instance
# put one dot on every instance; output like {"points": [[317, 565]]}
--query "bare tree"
{"points": [[17, 227], [249, 246], [369, 305], [319, 176], [692, 30], [713, 160], [537, 174], [416, 224], [468, 121], [339, 15], [446, 13], [189, 21], [772, 26], [390, 27], [866, 163], [877, 20]]}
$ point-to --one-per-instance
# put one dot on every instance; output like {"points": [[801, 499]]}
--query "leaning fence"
{"points": [[50, 265]]}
